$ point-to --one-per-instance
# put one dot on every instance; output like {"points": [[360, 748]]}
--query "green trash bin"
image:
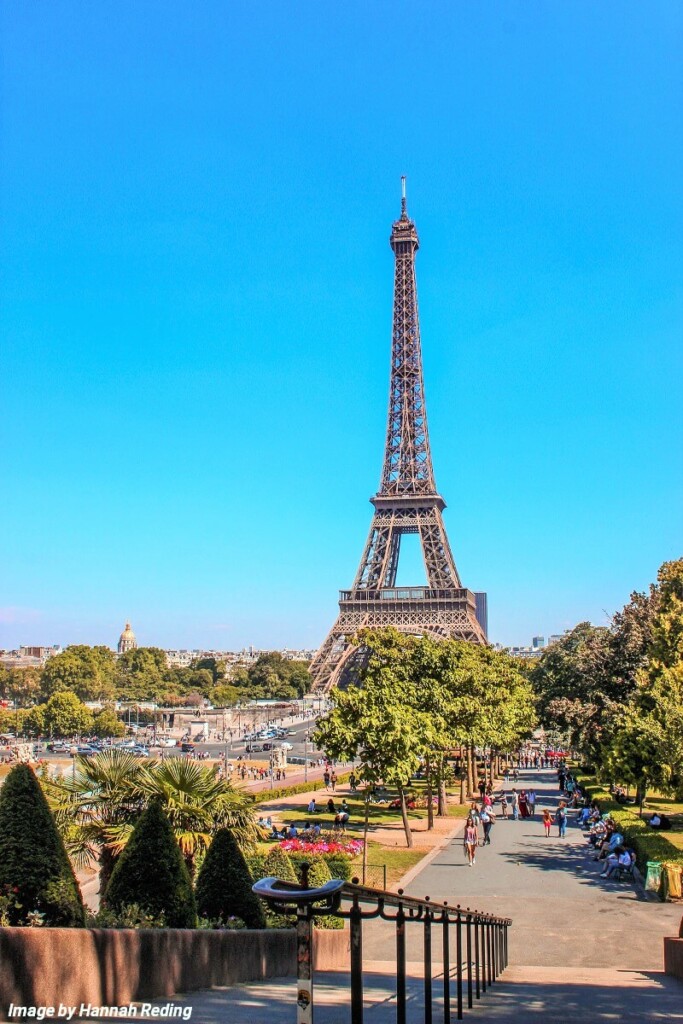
{"points": [[653, 878]]}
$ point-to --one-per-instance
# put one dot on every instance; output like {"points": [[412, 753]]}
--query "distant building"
{"points": [[482, 610], [29, 656], [127, 641], [538, 642]]}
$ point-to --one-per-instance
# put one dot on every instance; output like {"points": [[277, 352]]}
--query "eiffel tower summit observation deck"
{"points": [[407, 502]]}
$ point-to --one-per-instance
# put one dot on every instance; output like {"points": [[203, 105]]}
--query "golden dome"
{"points": [[127, 639]]}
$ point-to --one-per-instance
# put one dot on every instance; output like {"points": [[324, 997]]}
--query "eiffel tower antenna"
{"points": [[407, 502]]}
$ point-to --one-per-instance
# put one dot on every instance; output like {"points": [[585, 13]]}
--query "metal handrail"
{"points": [[481, 941]]}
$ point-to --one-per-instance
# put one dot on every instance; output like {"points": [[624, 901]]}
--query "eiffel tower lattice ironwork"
{"points": [[407, 502]]}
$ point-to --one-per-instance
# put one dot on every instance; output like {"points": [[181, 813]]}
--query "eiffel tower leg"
{"points": [[331, 659], [439, 561], [378, 551]]}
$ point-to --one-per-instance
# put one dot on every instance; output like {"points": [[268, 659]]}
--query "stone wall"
{"points": [[112, 967]]}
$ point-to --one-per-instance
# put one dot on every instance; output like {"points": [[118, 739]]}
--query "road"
{"points": [[235, 746]]}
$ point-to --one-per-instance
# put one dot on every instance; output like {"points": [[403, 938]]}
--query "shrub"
{"points": [[279, 865], [152, 874], [256, 864], [644, 841], [340, 867], [34, 867], [267, 796], [224, 884], [318, 874], [131, 916]]}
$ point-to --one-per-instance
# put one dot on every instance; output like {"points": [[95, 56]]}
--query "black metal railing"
{"points": [[473, 945]]}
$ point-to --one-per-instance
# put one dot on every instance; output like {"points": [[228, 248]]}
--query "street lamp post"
{"points": [[305, 757]]}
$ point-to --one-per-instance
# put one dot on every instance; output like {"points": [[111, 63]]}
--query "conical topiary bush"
{"points": [[151, 874], [278, 864], [224, 884], [35, 871]]}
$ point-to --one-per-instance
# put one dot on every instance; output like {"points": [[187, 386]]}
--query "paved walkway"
{"points": [[564, 915], [581, 948]]}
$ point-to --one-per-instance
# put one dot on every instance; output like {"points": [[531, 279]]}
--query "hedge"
{"points": [[647, 844], [266, 795]]}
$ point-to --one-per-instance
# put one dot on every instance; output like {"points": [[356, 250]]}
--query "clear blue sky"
{"points": [[196, 306]]}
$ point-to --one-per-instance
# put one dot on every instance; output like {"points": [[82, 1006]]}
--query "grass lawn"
{"points": [[380, 813], [397, 861], [673, 810]]}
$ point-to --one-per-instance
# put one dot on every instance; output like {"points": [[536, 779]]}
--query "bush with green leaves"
{"points": [[318, 875], [647, 844], [278, 864], [224, 884], [130, 916], [35, 873], [151, 874]]}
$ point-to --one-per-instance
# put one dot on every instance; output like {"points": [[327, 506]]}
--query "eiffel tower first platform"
{"points": [[407, 502]]}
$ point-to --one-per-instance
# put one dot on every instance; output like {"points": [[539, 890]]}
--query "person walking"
{"points": [[531, 802], [487, 819], [326, 778], [504, 806], [561, 820], [515, 805], [470, 840], [547, 821], [333, 781]]}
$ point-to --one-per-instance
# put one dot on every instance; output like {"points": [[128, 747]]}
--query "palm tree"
{"points": [[198, 803], [97, 809]]}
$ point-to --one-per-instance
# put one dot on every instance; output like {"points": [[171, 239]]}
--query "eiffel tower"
{"points": [[407, 502]]}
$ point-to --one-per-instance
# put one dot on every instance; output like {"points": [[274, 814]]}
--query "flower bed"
{"points": [[339, 848]]}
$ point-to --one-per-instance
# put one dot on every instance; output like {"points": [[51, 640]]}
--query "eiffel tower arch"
{"points": [[407, 502]]}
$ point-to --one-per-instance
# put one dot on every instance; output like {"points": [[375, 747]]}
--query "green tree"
{"points": [[151, 874], [216, 667], [224, 695], [107, 723], [377, 722], [97, 808], [198, 803], [86, 671], [20, 685], [34, 721], [646, 743], [142, 674], [224, 884], [66, 715], [34, 867]]}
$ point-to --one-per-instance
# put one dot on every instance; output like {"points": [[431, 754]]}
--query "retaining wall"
{"points": [[113, 967], [673, 957]]}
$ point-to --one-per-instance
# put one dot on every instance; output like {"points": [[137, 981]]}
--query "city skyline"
{"points": [[196, 310]]}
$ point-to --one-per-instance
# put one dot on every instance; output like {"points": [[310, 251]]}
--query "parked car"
{"points": [[286, 746], [253, 748], [187, 748], [84, 751]]}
